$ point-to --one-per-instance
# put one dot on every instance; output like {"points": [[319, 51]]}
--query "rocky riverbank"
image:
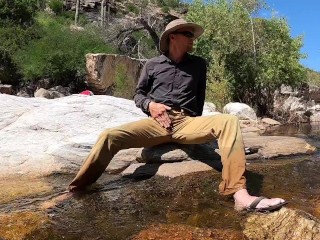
{"points": [[44, 142]]}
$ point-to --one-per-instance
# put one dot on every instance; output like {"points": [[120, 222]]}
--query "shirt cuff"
{"points": [[145, 105]]}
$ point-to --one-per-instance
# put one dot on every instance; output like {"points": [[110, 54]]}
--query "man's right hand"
{"points": [[159, 112]]}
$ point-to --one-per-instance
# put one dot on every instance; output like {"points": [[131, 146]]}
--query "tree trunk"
{"points": [[103, 12], [76, 18]]}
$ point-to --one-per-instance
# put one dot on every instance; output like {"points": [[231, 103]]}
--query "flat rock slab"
{"points": [[284, 224], [278, 146], [41, 136]]}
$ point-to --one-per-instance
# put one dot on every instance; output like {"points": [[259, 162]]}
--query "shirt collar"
{"points": [[164, 58]]}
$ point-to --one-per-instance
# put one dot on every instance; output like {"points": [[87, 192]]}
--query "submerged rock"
{"points": [[284, 224], [185, 232]]}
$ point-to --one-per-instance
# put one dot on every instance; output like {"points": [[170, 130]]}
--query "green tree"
{"points": [[16, 30], [59, 53], [254, 56]]}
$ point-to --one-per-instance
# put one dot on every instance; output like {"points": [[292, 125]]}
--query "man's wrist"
{"points": [[146, 105]]}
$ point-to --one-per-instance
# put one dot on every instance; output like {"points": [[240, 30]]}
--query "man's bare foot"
{"points": [[243, 201]]}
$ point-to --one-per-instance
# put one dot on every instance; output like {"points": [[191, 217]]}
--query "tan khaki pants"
{"points": [[186, 130]]}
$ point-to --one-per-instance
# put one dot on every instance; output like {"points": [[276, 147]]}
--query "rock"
{"points": [[55, 92], [64, 91], [44, 83], [314, 93], [123, 159], [209, 107], [287, 90], [165, 153], [284, 224], [60, 131], [315, 117], [270, 121], [277, 146], [243, 111], [43, 93], [75, 28], [101, 70], [185, 232], [170, 170], [6, 89]]}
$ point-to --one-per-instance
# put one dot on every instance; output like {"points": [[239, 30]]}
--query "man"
{"points": [[171, 90]]}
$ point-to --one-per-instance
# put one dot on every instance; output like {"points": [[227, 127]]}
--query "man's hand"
{"points": [[159, 112]]}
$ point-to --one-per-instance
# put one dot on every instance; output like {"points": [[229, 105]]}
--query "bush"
{"points": [[165, 9], [59, 54], [56, 6], [124, 87], [132, 8]]}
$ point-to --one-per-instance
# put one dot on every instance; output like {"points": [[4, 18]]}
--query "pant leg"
{"points": [[226, 129], [142, 133]]}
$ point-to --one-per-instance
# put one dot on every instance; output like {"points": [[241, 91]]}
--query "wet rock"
{"points": [[284, 224], [277, 146], [180, 231], [19, 225], [243, 111], [22, 188]]}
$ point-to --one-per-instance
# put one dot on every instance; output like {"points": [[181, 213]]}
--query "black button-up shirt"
{"points": [[178, 85]]}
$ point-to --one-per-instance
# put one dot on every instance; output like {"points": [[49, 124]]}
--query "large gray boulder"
{"points": [[102, 70], [243, 111], [39, 136]]}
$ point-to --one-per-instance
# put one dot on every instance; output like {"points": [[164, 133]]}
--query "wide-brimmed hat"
{"points": [[174, 26]]}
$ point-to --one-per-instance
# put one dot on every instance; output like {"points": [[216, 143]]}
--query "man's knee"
{"points": [[108, 135], [228, 118]]}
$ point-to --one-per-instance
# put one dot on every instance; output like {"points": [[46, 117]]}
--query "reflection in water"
{"points": [[119, 208]]}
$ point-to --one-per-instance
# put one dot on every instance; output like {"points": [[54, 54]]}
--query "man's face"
{"points": [[183, 39]]}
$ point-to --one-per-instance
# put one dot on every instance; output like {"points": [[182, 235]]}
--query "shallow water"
{"points": [[119, 208]]}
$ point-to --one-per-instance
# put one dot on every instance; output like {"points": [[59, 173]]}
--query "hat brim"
{"points": [[164, 44]]}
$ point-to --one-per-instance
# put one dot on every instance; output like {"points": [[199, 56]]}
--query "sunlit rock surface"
{"points": [[284, 224], [40, 136]]}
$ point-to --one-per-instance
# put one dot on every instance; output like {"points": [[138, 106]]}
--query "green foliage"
{"points": [[165, 9], [19, 11], [254, 56], [59, 53], [169, 3], [124, 87], [132, 8], [313, 77], [13, 37], [16, 30], [56, 6]]}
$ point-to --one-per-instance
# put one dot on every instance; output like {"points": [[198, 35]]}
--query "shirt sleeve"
{"points": [[202, 87], [141, 98]]}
